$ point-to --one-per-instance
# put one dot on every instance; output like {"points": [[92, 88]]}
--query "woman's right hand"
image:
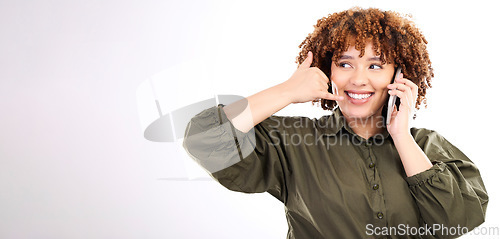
{"points": [[308, 84]]}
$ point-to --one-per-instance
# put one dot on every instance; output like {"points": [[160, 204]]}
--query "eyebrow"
{"points": [[375, 58]]}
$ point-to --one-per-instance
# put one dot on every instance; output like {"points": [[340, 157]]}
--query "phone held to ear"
{"points": [[392, 99], [334, 88]]}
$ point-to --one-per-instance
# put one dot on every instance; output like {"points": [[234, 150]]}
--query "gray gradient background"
{"points": [[74, 163]]}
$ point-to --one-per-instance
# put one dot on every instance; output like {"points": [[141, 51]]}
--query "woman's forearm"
{"points": [[413, 158], [248, 112]]}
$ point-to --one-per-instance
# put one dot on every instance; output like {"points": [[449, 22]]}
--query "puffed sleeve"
{"points": [[249, 162], [451, 193]]}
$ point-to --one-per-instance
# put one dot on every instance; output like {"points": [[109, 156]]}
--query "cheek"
{"points": [[381, 83], [340, 80]]}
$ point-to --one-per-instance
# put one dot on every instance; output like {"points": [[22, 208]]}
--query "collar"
{"points": [[331, 125]]}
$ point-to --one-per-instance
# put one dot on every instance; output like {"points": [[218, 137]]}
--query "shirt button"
{"points": [[371, 165], [375, 186], [380, 215]]}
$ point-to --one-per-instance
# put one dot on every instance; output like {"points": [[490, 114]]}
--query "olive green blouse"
{"points": [[334, 183]]}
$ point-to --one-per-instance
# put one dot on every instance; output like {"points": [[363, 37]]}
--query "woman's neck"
{"points": [[366, 127]]}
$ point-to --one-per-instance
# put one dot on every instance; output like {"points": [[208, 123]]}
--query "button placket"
{"points": [[378, 196]]}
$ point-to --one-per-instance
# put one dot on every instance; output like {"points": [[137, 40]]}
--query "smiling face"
{"points": [[362, 81]]}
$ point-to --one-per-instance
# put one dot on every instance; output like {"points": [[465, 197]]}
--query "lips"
{"points": [[359, 97]]}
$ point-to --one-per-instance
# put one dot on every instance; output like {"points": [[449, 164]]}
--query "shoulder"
{"points": [[421, 132], [433, 143], [424, 134]]}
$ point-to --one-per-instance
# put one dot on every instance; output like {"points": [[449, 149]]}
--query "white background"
{"points": [[74, 163]]}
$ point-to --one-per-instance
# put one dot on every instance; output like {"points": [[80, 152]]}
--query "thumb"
{"points": [[308, 61]]}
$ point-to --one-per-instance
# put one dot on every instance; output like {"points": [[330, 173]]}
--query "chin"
{"points": [[358, 113]]}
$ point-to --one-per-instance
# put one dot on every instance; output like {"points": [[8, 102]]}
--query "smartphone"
{"points": [[334, 88], [393, 100]]}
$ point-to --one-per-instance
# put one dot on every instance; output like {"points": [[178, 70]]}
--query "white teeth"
{"points": [[358, 96]]}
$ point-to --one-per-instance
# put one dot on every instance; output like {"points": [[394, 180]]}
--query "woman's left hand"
{"points": [[407, 91]]}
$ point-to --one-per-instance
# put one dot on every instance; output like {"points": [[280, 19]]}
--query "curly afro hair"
{"points": [[394, 37]]}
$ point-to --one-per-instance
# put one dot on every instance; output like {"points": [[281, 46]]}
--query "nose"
{"points": [[359, 78]]}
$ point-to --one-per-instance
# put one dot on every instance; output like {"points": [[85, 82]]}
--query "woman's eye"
{"points": [[344, 65], [375, 67]]}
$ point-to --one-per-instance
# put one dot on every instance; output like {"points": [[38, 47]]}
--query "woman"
{"points": [[348, 174]]}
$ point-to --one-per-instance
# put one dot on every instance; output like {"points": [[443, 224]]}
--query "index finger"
{"points": [[407, 82]]}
